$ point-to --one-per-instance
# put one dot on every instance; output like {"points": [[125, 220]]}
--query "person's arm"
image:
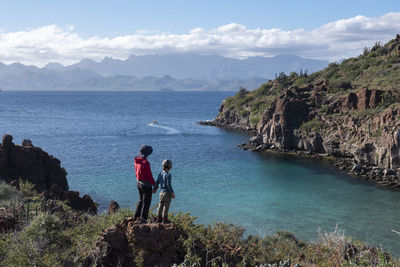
{"points": [[149, 174], [156, 184], [169, 185]]}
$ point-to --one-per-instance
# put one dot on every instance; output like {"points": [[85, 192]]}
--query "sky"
{"points": [[38, 32]]}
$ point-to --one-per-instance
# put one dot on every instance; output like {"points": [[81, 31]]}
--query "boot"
{"points": [[165, 220], [159, 220]]}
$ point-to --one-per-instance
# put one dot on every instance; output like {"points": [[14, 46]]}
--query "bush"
{"points": [[9, 196], [244, 113], [7, 191], [313, 125], [26, 188], [41, 243], [85, 233]]}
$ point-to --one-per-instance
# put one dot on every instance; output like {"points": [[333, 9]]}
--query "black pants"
{"points": [[143, 206]]}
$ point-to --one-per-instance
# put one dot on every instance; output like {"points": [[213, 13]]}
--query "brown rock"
{"points": [[72, 198], [285, 114], [351, 101], [368, 98], [153, 243], [113, 207], [31, 164], [6, 141], [26, 142]]}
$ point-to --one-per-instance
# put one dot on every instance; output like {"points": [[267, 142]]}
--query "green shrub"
{"points": [[9, 196], [7, 191], [26, 188], [40, 243], [244, 113], [254, 119], [85, 233], [313, 125]]}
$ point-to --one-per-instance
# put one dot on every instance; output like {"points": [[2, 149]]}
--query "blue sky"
{"points": [[110, 18], [157, 27]]}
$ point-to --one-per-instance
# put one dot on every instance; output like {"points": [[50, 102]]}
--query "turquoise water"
{"points": [[97, 134]]}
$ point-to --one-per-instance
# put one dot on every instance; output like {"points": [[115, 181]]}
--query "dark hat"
{"points": [[145, 151]]}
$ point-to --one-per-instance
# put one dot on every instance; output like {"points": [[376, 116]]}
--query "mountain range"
{"points": [[177, 71]]}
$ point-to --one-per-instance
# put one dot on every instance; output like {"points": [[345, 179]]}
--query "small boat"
{"points": [[154, 122]]}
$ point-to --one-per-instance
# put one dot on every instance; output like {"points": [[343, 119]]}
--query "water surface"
{"points": [[97, 134]]}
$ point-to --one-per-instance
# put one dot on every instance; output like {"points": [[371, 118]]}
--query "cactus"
{"points": [[14, 213], [27, 212]]}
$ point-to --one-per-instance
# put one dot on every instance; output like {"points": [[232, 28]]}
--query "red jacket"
{"points": [[143, 171]]}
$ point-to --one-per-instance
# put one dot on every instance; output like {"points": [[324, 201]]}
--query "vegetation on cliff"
{"points": [[62, 237], [349, 111], [376, 68]]}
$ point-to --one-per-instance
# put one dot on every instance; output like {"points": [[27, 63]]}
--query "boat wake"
{"points": [[170, 130]]}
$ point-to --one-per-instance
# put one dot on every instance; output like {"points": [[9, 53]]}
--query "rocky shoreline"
{"points": [[381, 176], [348, 113]]}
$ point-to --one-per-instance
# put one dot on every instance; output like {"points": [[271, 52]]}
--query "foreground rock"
{"points": [[129, 242], [30, 163]]}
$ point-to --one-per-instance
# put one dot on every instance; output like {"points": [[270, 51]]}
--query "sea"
{"points": [[96, 135]]}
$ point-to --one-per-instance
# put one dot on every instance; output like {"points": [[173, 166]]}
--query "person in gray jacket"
{"points": [[166, 191]]}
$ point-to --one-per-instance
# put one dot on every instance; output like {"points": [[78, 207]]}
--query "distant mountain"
{"points": [[52, 77], [179, 72], [186, 65]]}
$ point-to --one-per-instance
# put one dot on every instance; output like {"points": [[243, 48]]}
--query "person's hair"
{"points": [[145, 151], [166, 164]]}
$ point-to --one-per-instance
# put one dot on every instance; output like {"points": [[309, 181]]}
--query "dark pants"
{"points": [[143, 206]]}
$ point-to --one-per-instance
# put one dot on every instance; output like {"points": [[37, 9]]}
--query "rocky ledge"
{"points": [[27, 162], [123, 244]]}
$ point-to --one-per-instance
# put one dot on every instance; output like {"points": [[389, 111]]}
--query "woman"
{"points": [[145, 181]]}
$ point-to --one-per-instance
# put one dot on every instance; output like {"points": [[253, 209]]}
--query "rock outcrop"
{"points": [[30, 163], [72, 198], [338, 112], [44, 171], [131, 242]]}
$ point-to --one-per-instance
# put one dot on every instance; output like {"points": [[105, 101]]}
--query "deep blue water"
{"points": [[97, 134]]}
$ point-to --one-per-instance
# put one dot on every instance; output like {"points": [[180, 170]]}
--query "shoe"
{"points": [[159, 220], [165, 220]]}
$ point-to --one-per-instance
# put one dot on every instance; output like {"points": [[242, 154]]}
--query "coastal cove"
{"points": [[96, 135]]}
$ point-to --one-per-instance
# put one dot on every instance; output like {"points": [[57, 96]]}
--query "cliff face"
{"points": [[30, 163], [349, 111]]}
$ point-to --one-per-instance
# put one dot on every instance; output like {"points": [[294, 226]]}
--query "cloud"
{"points": [[333, 41]]}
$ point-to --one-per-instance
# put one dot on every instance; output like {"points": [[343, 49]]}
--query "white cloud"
{"points": [[332, 41]]}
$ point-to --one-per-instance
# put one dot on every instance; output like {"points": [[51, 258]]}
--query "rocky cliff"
{"points": [[27, 162], [30, 163], [349, 111]]}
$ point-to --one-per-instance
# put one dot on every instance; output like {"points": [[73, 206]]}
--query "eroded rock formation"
{"points": [[30, 163]]}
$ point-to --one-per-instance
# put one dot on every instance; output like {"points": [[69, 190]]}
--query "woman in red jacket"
{"points": [[145, 181]]}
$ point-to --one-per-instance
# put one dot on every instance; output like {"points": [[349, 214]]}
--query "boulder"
{"points": [[152, 243]]}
